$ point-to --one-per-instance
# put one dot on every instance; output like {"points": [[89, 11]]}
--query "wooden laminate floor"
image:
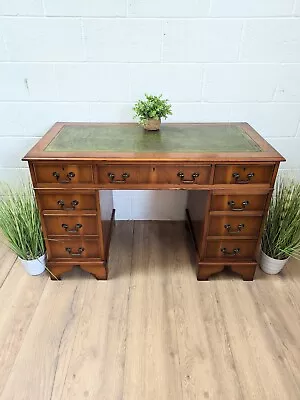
{"points": [[150, 332]]}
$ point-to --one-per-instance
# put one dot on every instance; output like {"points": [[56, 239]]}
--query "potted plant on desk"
{"points": [[281, 237], [150, 111], [21, 227]]}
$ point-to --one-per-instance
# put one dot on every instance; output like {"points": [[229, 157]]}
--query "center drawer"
{"points": [[122, 175], [74, 249], [231, 249], [224, 225], [66, 201], [70, 225]]}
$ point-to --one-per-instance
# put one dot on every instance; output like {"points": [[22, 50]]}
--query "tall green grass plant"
{"points": [[20, 221], [281, 237]]}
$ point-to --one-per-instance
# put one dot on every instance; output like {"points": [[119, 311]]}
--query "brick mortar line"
{"points": [[112, 17], [200, 102], [294, 8], [84, 62], [241, 41]]}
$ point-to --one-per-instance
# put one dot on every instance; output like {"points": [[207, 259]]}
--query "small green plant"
{"points": [[20, 221], [154, 107], [281, 237]]}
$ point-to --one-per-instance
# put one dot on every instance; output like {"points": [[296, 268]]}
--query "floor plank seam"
{"points": [[9, 271], [75, 336], [176, 333], [230, 347], [268, 322], [128, 302], [24, 338]]}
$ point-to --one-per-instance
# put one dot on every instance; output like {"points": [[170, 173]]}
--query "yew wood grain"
{"points": [[245, 174], [67, 200], [234, 226], [63, 174], [71, 225], [227, 249]]}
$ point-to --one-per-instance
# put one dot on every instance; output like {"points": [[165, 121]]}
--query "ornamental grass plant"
{"points": [[20, 223], [281, 237]]}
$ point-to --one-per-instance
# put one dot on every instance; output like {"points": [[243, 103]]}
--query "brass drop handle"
{"points": [[239, 228], [237, 179], [68, 179], [232, 253], [112, 179], [231, 204], [74, 203], [78, 254], [75, 230], [194, 176]]}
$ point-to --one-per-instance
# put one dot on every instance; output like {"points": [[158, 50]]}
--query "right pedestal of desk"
{"points": [[227, 221]]}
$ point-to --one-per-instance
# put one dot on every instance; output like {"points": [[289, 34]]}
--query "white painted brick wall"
{"points": [[216, 60]]}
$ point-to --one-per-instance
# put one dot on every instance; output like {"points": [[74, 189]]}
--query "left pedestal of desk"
{"points": [[76, 217]]}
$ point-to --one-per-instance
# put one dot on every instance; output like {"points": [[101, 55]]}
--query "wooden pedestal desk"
{"points": [[228, 170]]}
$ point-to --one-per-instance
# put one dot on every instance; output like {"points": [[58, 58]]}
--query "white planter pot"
{"points": [[34, 267], [271, 265]]}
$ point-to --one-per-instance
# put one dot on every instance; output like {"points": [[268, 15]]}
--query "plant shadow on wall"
{"points": [[149, 112], [281, 237], [20, 226]]}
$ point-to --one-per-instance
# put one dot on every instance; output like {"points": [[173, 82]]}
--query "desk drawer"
{"points": [[234, 226], [122, 175], [243, 174], [63, 174], [74, 249], [67, 201], [183, 175], [67, 225], [238, 203], [232, 249]]}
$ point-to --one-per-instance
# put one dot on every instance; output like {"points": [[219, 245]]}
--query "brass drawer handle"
{"points": [[239, 228], [74, 203], [231, 204], [112, 179], [78, 254], [68, 179], [75, 230], [237, 179], [194, 176], [232, 253]]}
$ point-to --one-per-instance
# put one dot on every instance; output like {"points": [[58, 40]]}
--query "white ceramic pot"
{"points": [[271, 265], [34, 267]]}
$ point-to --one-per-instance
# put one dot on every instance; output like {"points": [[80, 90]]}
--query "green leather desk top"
{"points": [[170, 139]]}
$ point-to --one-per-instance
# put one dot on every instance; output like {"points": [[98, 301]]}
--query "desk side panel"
{"points": [[106, 214]]}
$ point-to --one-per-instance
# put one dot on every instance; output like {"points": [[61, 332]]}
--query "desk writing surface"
{"points": [[170, 139]]}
